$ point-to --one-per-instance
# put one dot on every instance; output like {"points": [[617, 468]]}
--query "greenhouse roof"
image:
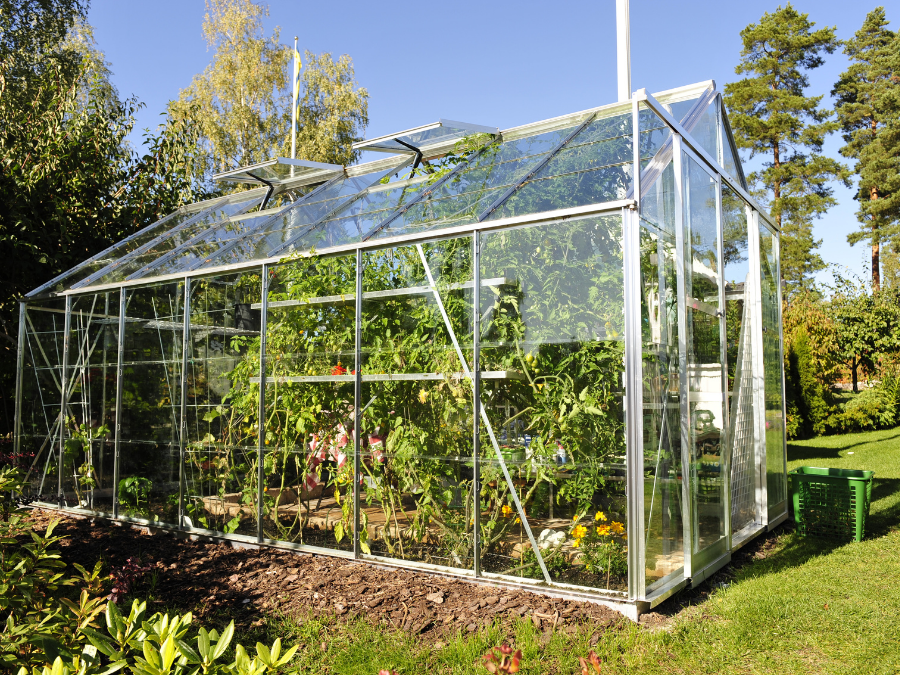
{"points": [[439, 179]]}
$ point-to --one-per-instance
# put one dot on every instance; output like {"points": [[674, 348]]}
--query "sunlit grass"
{"points": [[808, 606]]}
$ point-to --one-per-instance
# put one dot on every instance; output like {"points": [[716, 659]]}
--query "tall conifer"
{"points": [[772, 116], [868, 109]]}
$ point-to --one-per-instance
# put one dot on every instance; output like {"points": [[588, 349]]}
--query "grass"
{"points": [[808, 606]]}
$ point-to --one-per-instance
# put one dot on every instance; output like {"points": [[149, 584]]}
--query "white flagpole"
{"points": [[623, 49], [294, 105]]}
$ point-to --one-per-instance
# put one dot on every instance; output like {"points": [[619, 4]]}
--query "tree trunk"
{"points": [[776, 187], [876, 247], [855, 379]]}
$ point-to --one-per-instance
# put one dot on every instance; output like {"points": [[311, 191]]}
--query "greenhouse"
{"points": [[547, 357]]}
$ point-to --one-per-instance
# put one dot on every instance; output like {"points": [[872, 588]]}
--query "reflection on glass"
{"points": [[38, 456], [90, 411], [221, 411], [149, 451], [309, 411], [741, 446], [416, 436], [552, 338], [704, 355], [663, 529], [773, 370]]}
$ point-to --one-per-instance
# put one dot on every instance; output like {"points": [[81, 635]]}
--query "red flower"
{"points": [[338, 370]]}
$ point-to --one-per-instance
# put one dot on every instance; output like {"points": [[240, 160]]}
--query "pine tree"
{"points": [[772, 116], [869, 115]]}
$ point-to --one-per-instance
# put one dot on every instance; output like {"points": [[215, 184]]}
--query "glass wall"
{"points": [[706, 422], [150, 440], [221, 409], [309, 404], [89, 448], [417, 495], [663, 484], [41, 397], [552, 358], [741, 452], [773, 370]]}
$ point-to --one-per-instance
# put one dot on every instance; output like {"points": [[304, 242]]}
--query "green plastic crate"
{"points": [[832, 503]]}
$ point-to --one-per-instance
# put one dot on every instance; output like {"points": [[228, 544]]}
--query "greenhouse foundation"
{"points": [[547, 357]]}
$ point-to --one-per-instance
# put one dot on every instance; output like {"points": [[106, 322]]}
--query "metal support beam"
{"points": [[64, 385], [261, 427], [634, 390], [357, 401], [182, 434], [119, 377], [680, 269], [476, 403], [20, 367]]}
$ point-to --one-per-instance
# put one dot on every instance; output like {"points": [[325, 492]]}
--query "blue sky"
{"points": [[488, 62]]}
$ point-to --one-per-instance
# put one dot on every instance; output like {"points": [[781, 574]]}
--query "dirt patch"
{"points": [[213, 578]]}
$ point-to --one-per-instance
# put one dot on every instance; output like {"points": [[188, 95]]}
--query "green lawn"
{"points": [[808, 606]]}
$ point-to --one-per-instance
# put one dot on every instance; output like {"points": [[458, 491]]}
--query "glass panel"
{"points": [[730, 159], [663, 505], [417, 428], [658, 203], [121, 249], [680, 109], [420, 139], [154, 249], [654, 132], [91, 411], [706, 130], [552, 335], [595, 167], [310, 338], [149, 450], [704, 356], [741, 447], [773, 370], [38, 454], [222, 405], [471, 191], [211, 242]]}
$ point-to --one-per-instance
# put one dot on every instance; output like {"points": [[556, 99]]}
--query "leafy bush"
{"points": [[874, 408], [52, 620]]}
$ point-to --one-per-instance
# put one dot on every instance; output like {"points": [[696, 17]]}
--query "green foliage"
{"points": [[245, 95], [53, 628], [772, 116], [806, 395], [867, 324], [134, 494], [868, 109]]}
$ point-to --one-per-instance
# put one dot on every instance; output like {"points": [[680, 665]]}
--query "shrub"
{"points": [[51, 621]]}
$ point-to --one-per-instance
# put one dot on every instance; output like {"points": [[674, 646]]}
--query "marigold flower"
{"points": [[423, 396], [579, 532], [600, 516], [506, 511], [603, 530], [618, 527]]}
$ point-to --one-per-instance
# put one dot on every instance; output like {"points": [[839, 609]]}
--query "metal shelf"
{"points": [[374, 295], [392, 377]]}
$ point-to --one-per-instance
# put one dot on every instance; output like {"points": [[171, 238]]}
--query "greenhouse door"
{"points": [[704, 358]]}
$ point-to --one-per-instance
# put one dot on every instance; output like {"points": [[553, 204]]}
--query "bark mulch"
{"points": [[212, 578]]}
